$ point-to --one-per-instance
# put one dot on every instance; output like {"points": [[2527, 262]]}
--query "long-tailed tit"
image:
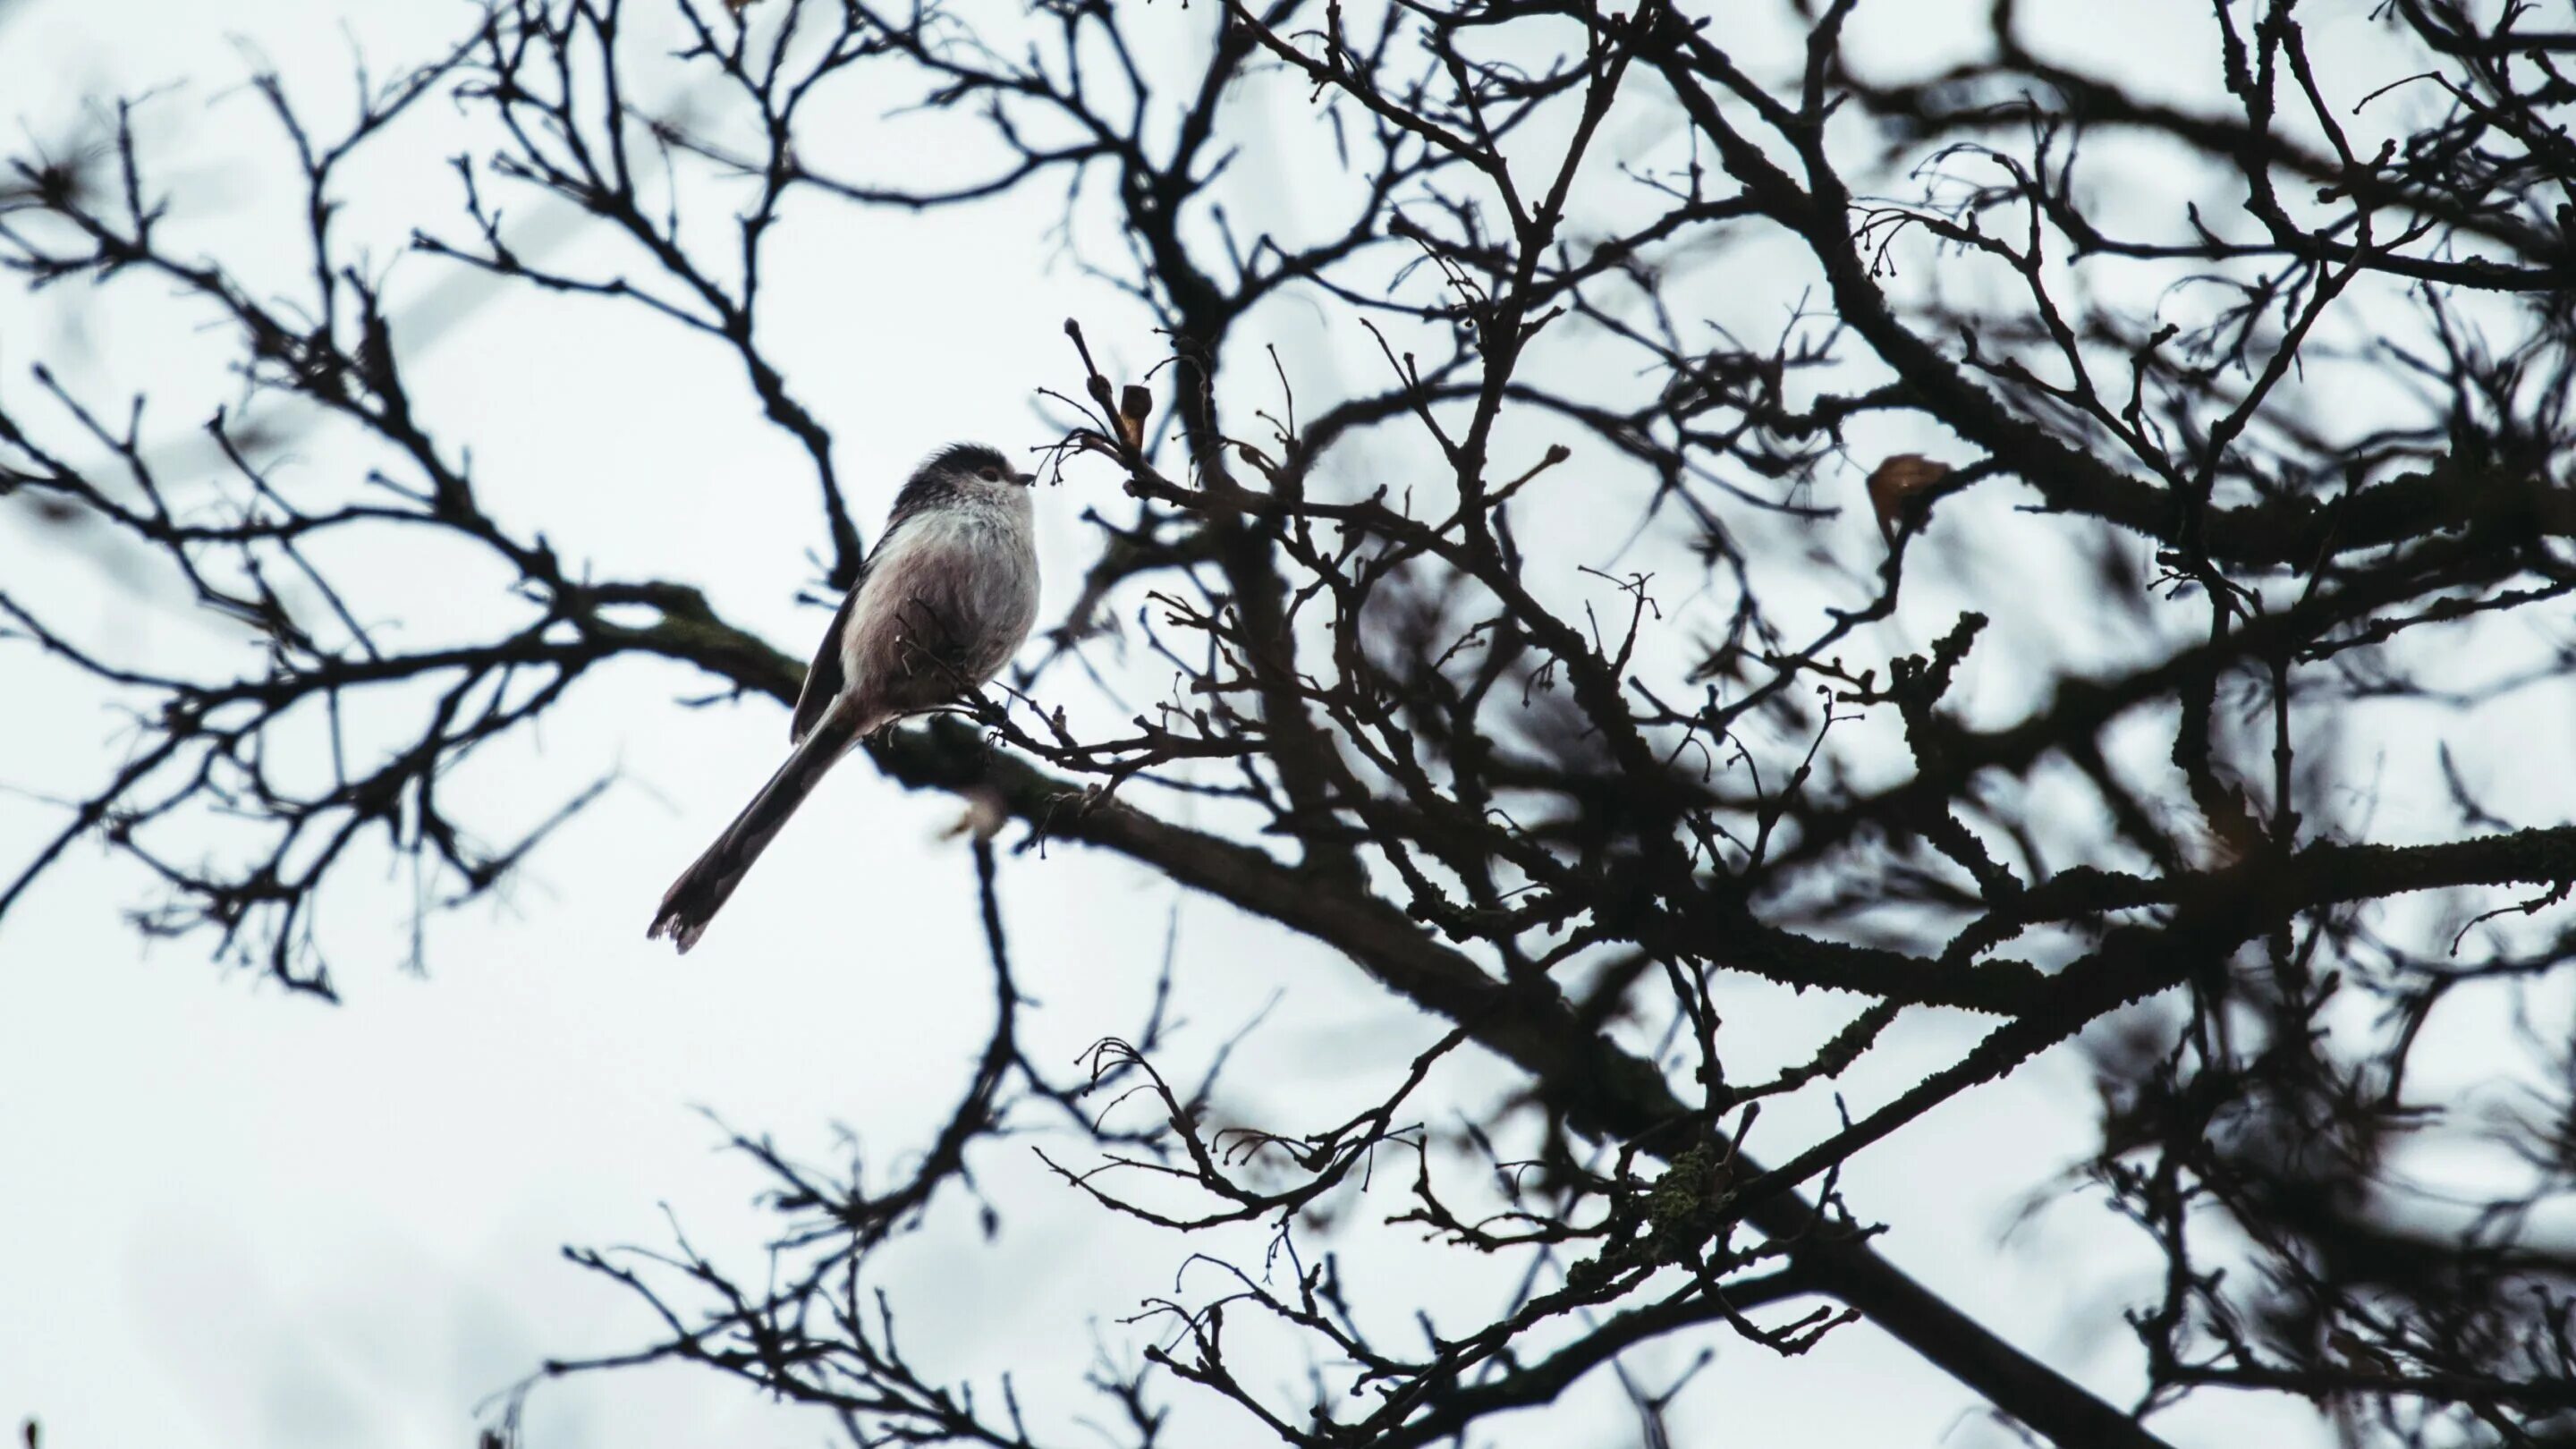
{"points": [[942, 603]]}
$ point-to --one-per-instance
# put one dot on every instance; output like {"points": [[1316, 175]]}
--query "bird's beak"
{"points": [[1025, 479]]}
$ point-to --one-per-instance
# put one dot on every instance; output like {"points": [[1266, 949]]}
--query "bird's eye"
{"points": [[989, 475]]}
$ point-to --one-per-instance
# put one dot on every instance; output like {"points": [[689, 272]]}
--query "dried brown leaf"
{"points": [[1897, 479]]}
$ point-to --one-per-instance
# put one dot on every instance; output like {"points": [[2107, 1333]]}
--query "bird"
{"points": [[941, 603]]}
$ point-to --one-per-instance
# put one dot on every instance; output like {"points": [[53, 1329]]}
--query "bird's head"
{"points": [[970, 467]]}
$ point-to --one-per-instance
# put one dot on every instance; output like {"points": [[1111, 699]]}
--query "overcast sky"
{"points": [[232, 1217]]}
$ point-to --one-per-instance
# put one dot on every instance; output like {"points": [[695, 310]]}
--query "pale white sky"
{"points": [[229, 1217]]}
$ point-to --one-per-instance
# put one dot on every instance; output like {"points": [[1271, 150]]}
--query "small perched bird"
{"points": [[942, 603]]}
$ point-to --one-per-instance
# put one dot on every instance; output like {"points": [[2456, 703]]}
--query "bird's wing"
{"points": [[823, 679]]}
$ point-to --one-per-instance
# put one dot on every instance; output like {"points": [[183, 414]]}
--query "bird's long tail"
{"points": [[703, 888]]}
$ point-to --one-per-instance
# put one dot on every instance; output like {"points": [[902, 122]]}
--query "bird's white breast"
{"points": [[974, 560]]}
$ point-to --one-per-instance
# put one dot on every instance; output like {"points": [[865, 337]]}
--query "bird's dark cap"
{"points": [[968, 458]]}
